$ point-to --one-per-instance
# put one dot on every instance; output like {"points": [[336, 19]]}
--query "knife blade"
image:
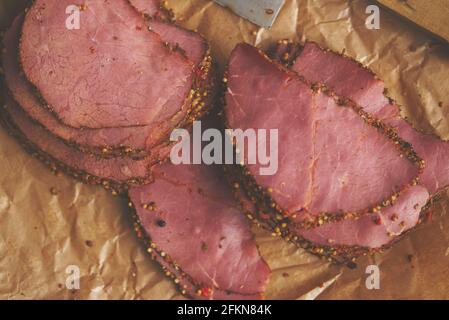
{"points": [[260, 12]]}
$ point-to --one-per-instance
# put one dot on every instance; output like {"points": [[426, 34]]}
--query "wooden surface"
{"points": [[432, 15]]}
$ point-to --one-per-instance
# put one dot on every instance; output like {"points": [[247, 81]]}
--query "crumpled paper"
{"points": [[50, 224]]}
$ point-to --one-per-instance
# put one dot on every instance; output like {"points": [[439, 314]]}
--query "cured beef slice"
{"points": [[341, 73], [114, 174], [344, 76], [111, 72], [193, 227], [136, 141], [373, 230], [330, 159], [434, 151], [188, 41], [343, 240]]}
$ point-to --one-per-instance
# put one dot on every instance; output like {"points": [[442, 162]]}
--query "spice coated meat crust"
{"points": [[100, 103]]}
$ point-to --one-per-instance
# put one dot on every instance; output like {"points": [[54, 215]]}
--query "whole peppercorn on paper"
{"points": [[51, 226]]}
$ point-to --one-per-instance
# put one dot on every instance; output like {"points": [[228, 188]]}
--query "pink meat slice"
{"points": [[193, 45], [120, 170], [111, 72], [194, 220], [373, 230], [433, 150], [330, 160], [350, 79], [347, 77], [142, 138]]}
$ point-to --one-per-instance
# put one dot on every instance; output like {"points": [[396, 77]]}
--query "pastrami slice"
{"points": [[330, 159], [187, 41], [111, 72], [116, 174], [374, 230], [196, 227], [346, 77], [432, 149], [341, 241]]}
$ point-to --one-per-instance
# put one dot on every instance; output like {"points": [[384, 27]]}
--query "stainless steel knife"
{"points": [[260, 12]]}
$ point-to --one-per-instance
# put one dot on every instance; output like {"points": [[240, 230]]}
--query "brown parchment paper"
{"points": [[50, 222]]}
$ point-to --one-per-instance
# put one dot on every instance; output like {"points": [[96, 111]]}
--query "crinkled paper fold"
{"points": [[50, 222]]}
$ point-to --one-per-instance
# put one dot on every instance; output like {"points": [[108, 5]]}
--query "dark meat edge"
{"points": [[279, 226], [199, 98], [285, 52], [185, 283], [262, 195], [294, 49], [56, 166]]}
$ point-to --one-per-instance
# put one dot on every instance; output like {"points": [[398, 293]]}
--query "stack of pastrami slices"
{"points": [[353, 175], [100, 102]]}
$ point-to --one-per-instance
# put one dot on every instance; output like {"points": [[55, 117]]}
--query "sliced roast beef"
{"points": [[342, 73], [111, 72], [331, 158], [135, 141], [115, 174], [193, 227]]}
